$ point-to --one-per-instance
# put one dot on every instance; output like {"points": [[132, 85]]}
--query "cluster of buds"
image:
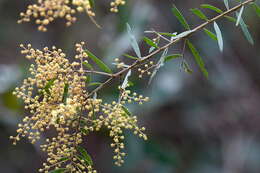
{"points": [[147, 68], [115, 4], [119, 64], [57, 98], [128, 97], [46, 11]]}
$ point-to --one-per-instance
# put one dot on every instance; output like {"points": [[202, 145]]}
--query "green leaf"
{"points": [[239, 15], [10, 101], [150, 42], [133, 41], [85, 155], [199, 13], [83, 122], [226, 4], [130, 56], [92, 3], [65, 93], [180, 17], [231, 19], [257, 8], [198, 58], [219, 36], [186, 67], [211, 7], [173, 56], [88, 79], [130, 83], [87, 65], [167, 34], [48, 85], [94, 84], [100, 63], [59, 170], [126, 110], [86, 132], [211, 34], [245, 31], [64, 159]]}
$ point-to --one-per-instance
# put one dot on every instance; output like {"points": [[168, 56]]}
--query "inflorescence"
{"points": [[57, 98], [46, 11]]}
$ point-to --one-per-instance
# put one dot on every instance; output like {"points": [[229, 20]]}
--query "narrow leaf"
{"points": [[211, 7], [130, 83], [130, 56], [88, 79], [124, 85], [186, 67], [168, 34], [226, 4], [85, 155], [183, 34], [211, 34], [60, 170], [199, 13], [219, 36], [133, 41], [257, 9], [126, 110], [150, 42], [173, 56], [95, 95], [239, 15], [81, 158], [65, 93], [48, 85], [198, 58], [94, 84], [100, 63], [180, 17], [160, 64], [231, 19], [64, 159], [92, 3], [162, 59], [245, 31], [86, 132], [151, 49], [88, 66]]}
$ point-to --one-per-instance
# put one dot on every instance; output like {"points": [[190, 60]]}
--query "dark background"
{"points": [[194, 125]]}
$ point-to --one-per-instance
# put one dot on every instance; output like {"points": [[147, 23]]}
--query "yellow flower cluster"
{"points": [[57, 98], [146, 69], [116, 118], [115, 4], [46, 11]]}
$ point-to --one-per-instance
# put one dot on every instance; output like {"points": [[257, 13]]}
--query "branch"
{"points": [[145, 58]]}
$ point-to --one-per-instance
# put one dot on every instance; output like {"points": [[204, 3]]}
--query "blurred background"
{"points": [[194, 125]]}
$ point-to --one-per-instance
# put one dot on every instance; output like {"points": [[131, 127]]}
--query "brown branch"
{"points": [[145, 58]]}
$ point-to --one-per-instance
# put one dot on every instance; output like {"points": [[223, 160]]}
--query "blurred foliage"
{"points": [[194, 125]]}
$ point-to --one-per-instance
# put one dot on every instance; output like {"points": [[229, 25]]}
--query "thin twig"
{"points": [[158, 34], [145, 58]]}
